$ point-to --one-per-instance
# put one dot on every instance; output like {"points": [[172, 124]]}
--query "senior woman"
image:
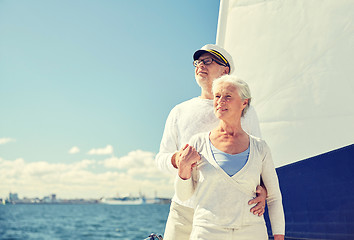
{"points": [[222, 169]]}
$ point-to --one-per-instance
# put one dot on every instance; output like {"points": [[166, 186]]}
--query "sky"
{"points": [[85, 90]]}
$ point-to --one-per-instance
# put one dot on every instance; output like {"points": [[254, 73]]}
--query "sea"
{"points": [[81, 221]]}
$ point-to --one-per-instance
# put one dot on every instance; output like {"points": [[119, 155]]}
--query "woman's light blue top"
{"points": [[230, 163]]}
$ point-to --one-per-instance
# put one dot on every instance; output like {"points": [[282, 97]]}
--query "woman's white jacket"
{"points": [[222, 201]]}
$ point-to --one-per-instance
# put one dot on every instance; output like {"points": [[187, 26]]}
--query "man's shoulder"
{"points": [[186, 105], [191, 101]]}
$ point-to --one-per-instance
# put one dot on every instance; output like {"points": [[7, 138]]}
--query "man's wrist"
{"points": [[173, 161]]}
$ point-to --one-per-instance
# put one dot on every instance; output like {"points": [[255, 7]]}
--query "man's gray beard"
{"points": [[198, 82], [201, 83]]}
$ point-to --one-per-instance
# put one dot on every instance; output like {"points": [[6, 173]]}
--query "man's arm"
{"points": [[260, 200], [165, 159]]}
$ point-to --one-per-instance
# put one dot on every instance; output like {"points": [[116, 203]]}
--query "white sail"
{"points": [[298, 58]]}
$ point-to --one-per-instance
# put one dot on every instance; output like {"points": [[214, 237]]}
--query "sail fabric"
{"points": [[298, 58], [316, 200]]}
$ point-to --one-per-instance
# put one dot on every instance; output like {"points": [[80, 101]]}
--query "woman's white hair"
{"points": [[241, 86]]}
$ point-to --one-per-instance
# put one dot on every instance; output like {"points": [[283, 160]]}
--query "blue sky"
{"points": [[97, 78]]}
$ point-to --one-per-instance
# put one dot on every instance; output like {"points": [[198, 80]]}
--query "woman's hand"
{"points": [[187, 159], [260, 200]]}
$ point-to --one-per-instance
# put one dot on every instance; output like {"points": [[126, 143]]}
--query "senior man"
{"points": [[194, 116]]}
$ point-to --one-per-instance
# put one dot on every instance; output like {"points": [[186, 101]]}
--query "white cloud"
{"points": [[85, 179], [138, 164], [101, 151], [134, 159], [74, 150], [6, 140]]}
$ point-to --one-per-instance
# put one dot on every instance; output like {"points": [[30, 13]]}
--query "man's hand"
{"points": [[176, 158], [187, 160], [260, 200]]}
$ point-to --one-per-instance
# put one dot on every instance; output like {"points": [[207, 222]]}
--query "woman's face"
{"points": [[227, 102]]}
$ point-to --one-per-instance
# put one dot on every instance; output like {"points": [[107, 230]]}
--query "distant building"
{"points": [[54, 197], [13, 197], [47, 199]]}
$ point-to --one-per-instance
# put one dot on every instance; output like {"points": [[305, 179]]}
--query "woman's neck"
{"points": [[231, 139], [232, 128]]}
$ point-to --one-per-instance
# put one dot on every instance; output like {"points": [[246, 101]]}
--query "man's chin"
{"points": [[201, 78], [201, 81]]}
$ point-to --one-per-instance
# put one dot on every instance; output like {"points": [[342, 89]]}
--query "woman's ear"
{"points": [[245, 102]]}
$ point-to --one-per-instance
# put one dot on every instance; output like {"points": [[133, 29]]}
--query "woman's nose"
{"points": [[221, 100]]}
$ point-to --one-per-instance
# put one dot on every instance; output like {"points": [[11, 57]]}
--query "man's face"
{"points": [[206, 74]]}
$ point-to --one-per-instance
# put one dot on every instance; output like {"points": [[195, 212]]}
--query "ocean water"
{"points": [[81, 221]]}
